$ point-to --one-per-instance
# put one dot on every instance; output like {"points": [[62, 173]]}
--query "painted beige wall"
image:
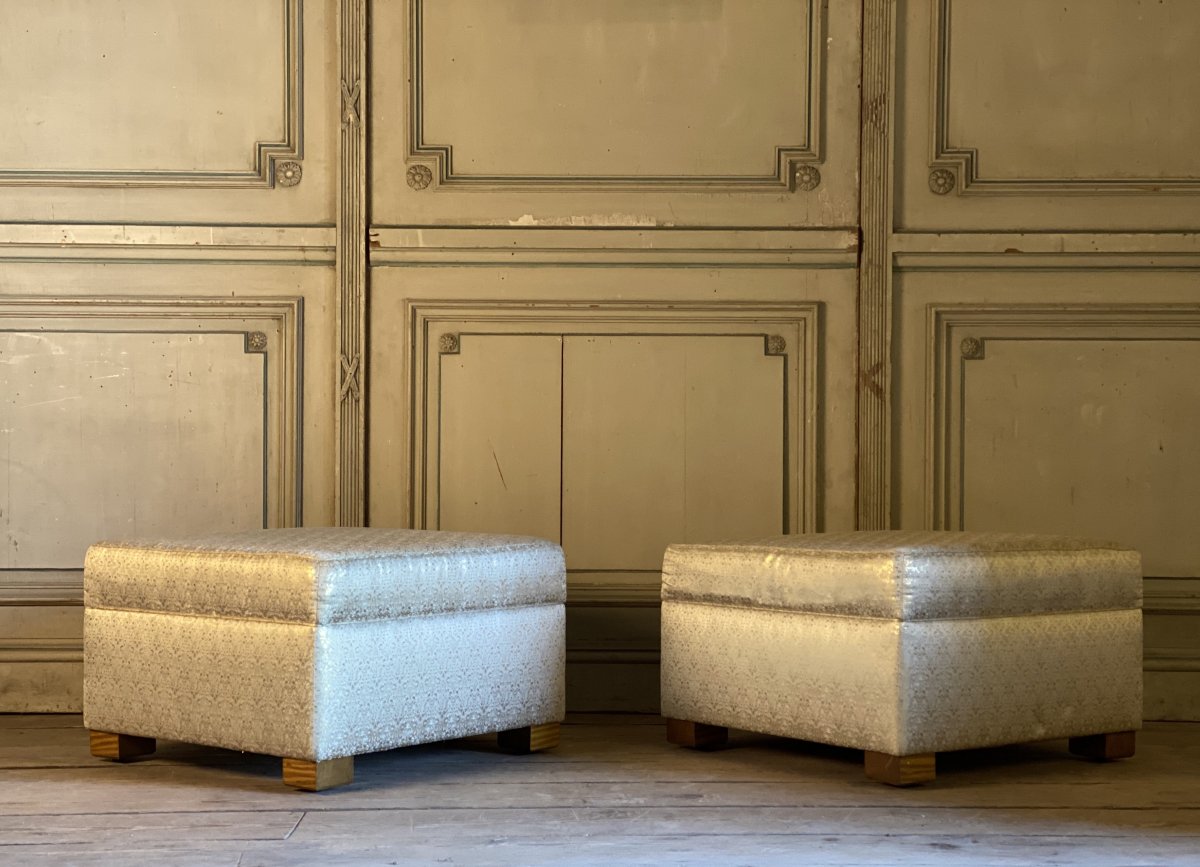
{"points": [[604, 273], [167, 293], [1034, 268]]}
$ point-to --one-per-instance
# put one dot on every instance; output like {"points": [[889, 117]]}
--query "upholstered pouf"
{"points": [[321, 643], [905, 644]]}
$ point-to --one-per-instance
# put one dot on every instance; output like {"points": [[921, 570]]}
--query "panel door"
{"points": [[612, 245]]}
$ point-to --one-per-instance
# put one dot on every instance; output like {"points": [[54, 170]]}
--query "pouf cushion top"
{"points": [[908, 575], [325, 574]]}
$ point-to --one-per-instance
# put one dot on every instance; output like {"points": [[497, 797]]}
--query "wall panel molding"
{"points": [[963, 162], [794, 163], [1172, 652], [1172, 659], [564, 246], [873, 477], [41, 587], [643, 593], [959, 336], [40, 650], [350, 506], [788, 331], [1171, 596], [271, 327], [273, 159], [84, 243], [991, 251]]}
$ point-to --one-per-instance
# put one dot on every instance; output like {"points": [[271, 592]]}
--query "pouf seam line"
{"points": [[315, 559], [314, 623], [894, 619], [893, 552]]}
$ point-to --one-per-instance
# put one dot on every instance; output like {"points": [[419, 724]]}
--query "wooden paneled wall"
{"points": [[612, 290], [168, 180], [1031, 277], [615, 274]]}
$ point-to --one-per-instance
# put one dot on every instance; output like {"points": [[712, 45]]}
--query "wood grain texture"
{"points": [[529, 739], [613, 793], [318, 776], [900, 770], [1106, 747], [686, 733], [107, 745]]}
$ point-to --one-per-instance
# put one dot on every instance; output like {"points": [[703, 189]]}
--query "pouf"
{"points": [[905, 644], [318, 644]]}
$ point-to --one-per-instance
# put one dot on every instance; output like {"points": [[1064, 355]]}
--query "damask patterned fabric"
{"points": [[905, 643], [902, 688], [908, 575], [325, 574], [324, 642], [320, 692]]}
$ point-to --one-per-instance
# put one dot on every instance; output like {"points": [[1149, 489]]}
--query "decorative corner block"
{"points": [[448, 344], [971, 348], [419, 177], [807, 177], [256, 341], [942, 181], [776, 344], [288, 173]]}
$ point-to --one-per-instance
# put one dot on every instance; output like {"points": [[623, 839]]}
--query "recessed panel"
{"points": [[499, 416], [1093, 437], [1072, 91], [669, 439], [113, 87], [119, 435], [1074, 116], [618, 113], [628, 425], [613, 88]]}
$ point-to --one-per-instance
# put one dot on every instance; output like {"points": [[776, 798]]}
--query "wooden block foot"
{"points": [[900, 770], [1106, 747], [318, 776], [529, 739], [121, 748], [696, 735]]}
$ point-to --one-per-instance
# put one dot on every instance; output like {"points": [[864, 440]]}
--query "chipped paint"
{"points": [[12, 357], [590, 220]]}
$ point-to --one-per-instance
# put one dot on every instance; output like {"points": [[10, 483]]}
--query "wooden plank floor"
{"points": [[613, 793]]}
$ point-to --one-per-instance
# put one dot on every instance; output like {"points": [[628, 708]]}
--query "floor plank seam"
{"points": [[614, 794], [666, 806], [289, 834]]}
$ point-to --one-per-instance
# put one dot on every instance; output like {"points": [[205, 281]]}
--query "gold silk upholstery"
{"points": [[908, 575], [904, 643], [325, 574], [325, 642]]}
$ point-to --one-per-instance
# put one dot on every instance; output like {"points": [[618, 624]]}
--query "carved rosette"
{"points": [[942, 181], [256, 341], [448, 344], [808, 177], [419, 177], [776, 345], [288, 173], [971, 348]]}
